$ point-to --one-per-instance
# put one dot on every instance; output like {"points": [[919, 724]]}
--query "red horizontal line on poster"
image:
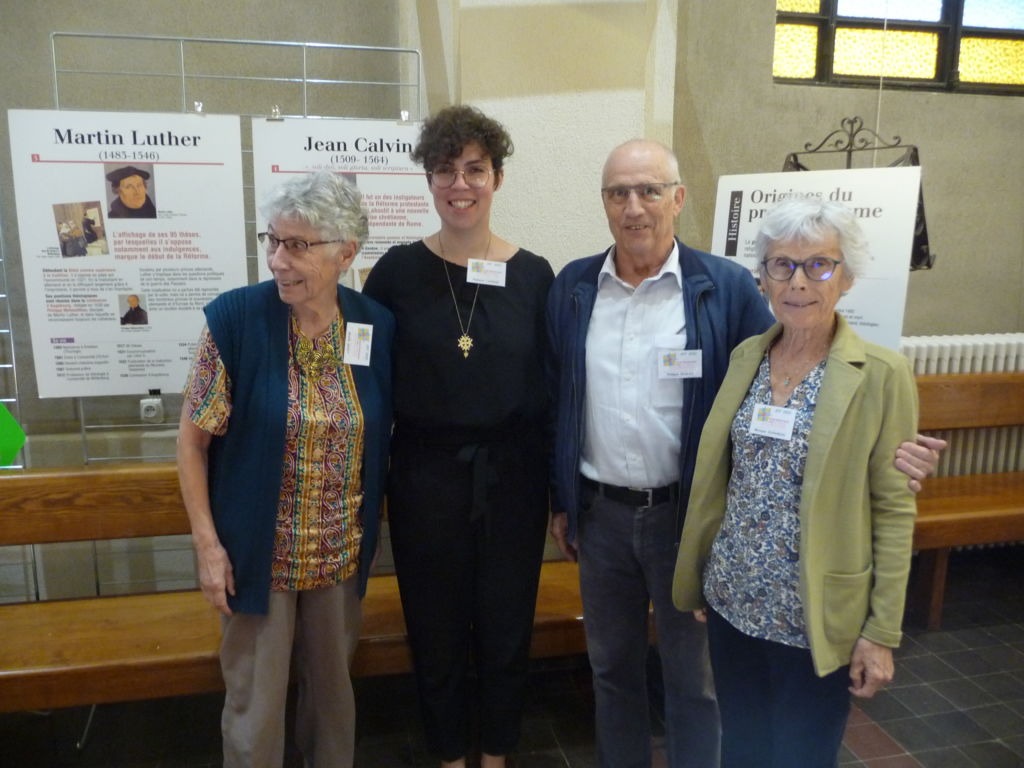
{"points": [[38, 159]]}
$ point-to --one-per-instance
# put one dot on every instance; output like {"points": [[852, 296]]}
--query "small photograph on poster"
{"points": [[132, 191], [132, 306], [80, 229]]}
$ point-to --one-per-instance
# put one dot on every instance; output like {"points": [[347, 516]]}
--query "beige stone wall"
{"points": [[573, 78]]}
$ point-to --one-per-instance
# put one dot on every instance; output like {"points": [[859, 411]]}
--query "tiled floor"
{"points": [[958, 701]]}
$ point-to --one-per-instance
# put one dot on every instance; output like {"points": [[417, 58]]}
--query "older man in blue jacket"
{"points": [[640, 338]]}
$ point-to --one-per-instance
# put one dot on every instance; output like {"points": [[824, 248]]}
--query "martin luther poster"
{"points": [[129, 224]]}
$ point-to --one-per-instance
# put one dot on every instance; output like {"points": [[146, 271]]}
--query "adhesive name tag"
{"points": [[486, 272], [679, 364], [358, 340], [772, 421]]}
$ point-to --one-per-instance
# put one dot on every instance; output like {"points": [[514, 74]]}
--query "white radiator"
{"points": [[972, 451]]}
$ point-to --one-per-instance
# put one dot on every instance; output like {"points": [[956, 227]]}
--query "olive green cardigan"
{"points": [[856, 512]]}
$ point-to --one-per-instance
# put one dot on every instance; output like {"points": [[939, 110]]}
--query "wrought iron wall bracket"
{"points": [[853, 136]]}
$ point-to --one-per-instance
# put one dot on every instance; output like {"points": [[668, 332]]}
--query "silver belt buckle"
{"points": [[649, 492]]}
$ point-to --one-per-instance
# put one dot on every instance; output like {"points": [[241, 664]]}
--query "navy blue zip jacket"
{"points": [[722, 307]]}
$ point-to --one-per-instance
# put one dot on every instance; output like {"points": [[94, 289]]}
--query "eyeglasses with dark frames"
{"points": [[291, 244], [819, 268]]}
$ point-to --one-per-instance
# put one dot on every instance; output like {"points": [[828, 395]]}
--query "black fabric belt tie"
{"points": [[478, 456], [633, 497]]}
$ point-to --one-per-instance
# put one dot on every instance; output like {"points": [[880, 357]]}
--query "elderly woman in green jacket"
{"points": [[797, 540]]}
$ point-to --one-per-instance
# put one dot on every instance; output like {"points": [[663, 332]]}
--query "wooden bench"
{"points": [[95, 650], [963, 510]]}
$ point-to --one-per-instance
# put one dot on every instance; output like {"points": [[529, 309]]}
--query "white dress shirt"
{"points": [[632, 415]]}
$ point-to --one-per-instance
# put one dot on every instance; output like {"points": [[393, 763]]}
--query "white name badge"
{"points": [[358, 340], [679, 364], [772, 421], [486, 272]]}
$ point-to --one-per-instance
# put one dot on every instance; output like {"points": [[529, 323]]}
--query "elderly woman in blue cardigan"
{"points": [[282, 456], [797, 540]]}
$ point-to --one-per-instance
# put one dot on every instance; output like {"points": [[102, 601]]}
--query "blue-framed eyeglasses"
{"points": [[819, 269]]}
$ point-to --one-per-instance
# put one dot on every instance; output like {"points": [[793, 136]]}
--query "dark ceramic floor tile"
{"points": [[1009, 632], [969, 663], [975, 637], [581, 758], [929, 669], [537, 735], [896, 761], [1003, 657], [847, 758], [963, 693], [910, 646], [999, 720], [549, 759], [1015, 745], [1003, 686], [947, 757], [922, 700], [993, 755], [914, 735], [956, 729], [885, 705], [941, 642]]}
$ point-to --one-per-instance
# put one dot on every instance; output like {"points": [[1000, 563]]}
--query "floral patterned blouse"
{"points": [[752, 578], [318, 530]]}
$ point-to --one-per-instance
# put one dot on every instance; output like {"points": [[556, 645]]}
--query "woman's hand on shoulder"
{"points": [[871, 668]]}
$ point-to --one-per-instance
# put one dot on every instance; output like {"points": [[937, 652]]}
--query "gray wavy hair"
{"points": [[324, 200], [812, 219]]}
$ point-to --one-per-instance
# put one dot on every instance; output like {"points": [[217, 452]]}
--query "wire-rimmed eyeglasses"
{"points": [[291, 244], [651, 192], [819, 268], [444, 176]]}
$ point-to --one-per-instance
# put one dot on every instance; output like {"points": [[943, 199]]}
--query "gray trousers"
{"points": [[318, 630]]}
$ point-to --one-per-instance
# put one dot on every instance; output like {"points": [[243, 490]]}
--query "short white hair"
{"points": [[325, 201], [809, 219]]}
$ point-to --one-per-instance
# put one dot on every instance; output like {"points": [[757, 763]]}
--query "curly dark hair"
{"points": [[446, 134]]}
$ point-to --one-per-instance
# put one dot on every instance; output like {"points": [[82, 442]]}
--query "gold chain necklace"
{"points": [[465, 342]]}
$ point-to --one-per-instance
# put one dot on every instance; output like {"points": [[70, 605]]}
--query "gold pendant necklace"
{"points": [[311, 360], [465, 342]]}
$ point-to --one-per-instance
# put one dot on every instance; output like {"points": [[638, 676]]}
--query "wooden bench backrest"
{"points": [[108, 502], [971, 400], [132, 500]]}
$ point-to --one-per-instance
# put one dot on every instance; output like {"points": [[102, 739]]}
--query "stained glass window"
{"points": [[796, 50], [995, 14], [902, 10], [908, 43], [799, 6], [988, 60], [877, 53]]}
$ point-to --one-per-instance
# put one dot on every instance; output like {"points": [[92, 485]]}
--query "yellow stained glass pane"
{"points": [[880, 53], [798, 6], [984, 60], [796, 51]]}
